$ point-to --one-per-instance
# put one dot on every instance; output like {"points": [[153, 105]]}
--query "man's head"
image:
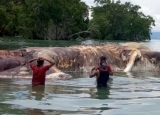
{"points": [[102, 59], [40, 62]]}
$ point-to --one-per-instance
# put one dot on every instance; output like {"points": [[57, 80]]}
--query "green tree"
{"points": [[121, 21], [70, 17], [39, 19]]}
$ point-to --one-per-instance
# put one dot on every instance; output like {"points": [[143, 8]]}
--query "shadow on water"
{"points": [[99, 93], [37, 93], [103, 93]]}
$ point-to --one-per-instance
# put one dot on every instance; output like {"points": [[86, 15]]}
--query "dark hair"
{"points": [[40, 63], [102, 58]]}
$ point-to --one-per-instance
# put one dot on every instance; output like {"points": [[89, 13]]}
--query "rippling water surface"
{"points": [[135, 93], [127, 94]]}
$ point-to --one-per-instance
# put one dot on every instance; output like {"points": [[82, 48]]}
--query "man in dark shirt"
{"points": [[102, 72]]}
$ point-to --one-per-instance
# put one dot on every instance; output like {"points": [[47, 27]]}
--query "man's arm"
{"points": [[51, 62], [110, 73], [110, 70], [95, 68], [30, 61], [93, 73]]}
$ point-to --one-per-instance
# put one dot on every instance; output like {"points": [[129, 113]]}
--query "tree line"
{"points": [[69, 19]]}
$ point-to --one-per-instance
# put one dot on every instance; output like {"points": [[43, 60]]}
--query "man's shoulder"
{"points": [[32, 65], [46, 67], [109, 66]]}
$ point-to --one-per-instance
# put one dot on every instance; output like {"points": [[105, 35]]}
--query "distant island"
{"points": [[155, 35]]}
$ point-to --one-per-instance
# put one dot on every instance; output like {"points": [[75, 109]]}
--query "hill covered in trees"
{"points": [[69, 19]]}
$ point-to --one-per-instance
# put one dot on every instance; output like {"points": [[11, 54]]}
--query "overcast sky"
{"points": [[149, 7]]}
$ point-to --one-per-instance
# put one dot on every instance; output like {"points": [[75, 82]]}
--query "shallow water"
{"points": [[136, 94], [15, 43]]}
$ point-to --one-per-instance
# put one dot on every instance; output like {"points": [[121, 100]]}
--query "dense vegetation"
{"points": [[69, 19]]}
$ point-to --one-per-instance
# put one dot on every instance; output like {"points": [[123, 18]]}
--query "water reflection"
{"points": [[100, 93], [142, 74], [126, 93], [34, 112], [37, 93]]}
